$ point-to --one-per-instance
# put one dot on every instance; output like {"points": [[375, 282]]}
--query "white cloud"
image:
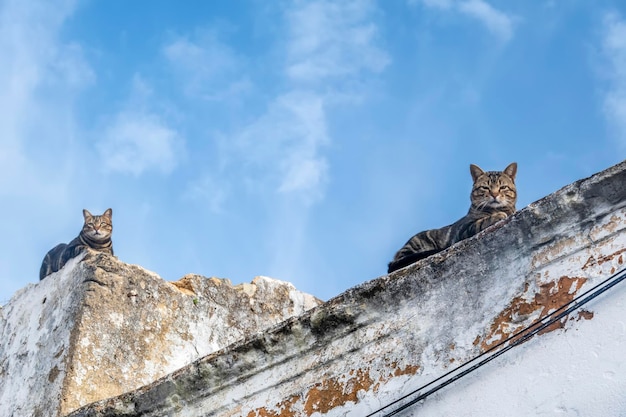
{"points": [[327, 43], [209, 190], [330, 39], [69, 67], [303, 174], [283, 147], [136, 143], [496, 21], [614, 48], [139, 138], [40, 77], [440, 4], [207, 67]]}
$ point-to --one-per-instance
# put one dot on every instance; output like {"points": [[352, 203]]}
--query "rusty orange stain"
{"points": [[185, 285], [590, 261], [330, 393], [408, 370], [593, 261], [550, 297], [337, 391], [611, 226], [610, 257], [553, 251], [584, 314], [285, 408]]}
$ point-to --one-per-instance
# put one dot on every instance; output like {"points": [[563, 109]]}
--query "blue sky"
{"points": [[301, 140]]}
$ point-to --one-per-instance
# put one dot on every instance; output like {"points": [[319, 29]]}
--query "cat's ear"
{"points": [[476, 171], [108, 213], [87, 214], [511, 170]]}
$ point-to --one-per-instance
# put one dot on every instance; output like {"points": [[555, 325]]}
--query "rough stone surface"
{"points": [[388, 337], [100, 327]]}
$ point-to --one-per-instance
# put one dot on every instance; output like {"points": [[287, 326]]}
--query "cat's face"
{"points": [[98, 228], [494, 190]]}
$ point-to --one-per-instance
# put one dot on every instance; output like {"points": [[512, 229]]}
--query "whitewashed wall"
{"points": [[100, 327], [382, 340]]}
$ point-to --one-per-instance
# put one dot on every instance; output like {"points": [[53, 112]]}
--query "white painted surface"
{"points": [[388, 337], [577, 371], [35, 328], [382, 340], [99, 328]]}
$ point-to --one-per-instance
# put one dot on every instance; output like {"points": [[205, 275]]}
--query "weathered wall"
{"points": [[383, 339], [100, 327], [35, 329]]}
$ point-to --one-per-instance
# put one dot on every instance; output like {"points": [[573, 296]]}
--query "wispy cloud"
{"points": [[281, 151], [327, 43], [495, 21], [40, 77], [136, 143], [282, 148], [277, 152], [440, 4], [210, 190], [330, 39], [138, 139], [207, 66], [614, 48]]}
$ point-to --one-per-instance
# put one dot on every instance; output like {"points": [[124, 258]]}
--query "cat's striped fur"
{"points": [[493, 198], [96, 235]]}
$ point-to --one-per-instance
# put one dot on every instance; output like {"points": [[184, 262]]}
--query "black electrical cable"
{"points": [[516, 339]]}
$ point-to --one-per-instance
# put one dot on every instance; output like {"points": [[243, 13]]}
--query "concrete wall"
{"points": [[381, 340], [100, 327]]}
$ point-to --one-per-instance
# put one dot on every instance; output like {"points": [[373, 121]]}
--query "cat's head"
{"points": [[494, 190], [98, 228]]}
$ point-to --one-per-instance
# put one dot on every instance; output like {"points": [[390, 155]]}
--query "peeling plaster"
{"points": [[521, 313], [390, 336], [331, 393]]}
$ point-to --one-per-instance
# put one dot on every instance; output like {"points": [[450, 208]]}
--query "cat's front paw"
{"points": [[491, 220], [499, 216]]}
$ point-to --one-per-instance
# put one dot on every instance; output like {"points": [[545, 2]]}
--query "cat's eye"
{"points": [[505, 187]]}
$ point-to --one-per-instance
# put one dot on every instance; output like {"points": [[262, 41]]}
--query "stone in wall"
{"points": [[100, 327]]}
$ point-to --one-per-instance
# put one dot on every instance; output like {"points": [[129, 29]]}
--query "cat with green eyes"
{"points": [[493, 198], [95, 235]]}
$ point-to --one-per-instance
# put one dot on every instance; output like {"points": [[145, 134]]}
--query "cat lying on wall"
{"points": [[96, 235], [493, 198]]}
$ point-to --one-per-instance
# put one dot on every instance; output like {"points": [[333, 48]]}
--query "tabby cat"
{"points": [[96, 235], [493, 199]]}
